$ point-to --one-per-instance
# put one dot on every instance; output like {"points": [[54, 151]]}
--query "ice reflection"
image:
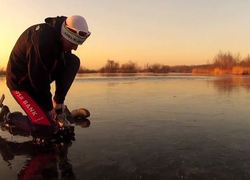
{"points": [[151, 127], [42, 162], [228, 84]]}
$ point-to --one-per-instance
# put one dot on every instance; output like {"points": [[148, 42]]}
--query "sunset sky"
{"points": [[171, 32]]}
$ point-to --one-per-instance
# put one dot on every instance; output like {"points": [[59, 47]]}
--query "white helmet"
{"points": [[75, 29]]}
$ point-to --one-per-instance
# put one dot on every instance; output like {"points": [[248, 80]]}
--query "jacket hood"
{"points": [[56, 22]]}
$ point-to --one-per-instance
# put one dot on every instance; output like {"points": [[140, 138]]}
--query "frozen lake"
{"points": [[144, 127]]}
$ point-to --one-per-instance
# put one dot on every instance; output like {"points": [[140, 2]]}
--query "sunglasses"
{"points": [[80, 33]]}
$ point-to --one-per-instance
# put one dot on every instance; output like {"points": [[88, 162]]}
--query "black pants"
{"points": [[64, 76]]}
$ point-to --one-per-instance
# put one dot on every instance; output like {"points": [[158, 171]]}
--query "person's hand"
{"points": [[52, 114], [58, 105]]}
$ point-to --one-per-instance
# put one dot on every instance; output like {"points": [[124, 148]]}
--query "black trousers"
{"points": [[64, 76]]}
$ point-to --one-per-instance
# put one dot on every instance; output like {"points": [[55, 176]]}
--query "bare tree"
{"points": [[226, 60], [157, 68], [110, 67], [245, 61], [129, 67]]}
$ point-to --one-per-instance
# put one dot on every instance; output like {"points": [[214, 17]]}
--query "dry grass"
{"points": [[236, 70], [240, 70]]}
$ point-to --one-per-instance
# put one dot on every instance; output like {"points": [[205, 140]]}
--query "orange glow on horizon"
{"points": [[165, 32]]}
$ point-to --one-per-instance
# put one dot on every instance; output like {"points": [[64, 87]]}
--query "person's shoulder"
{"points": [[44, 27], [42, 34], [41, 28]]}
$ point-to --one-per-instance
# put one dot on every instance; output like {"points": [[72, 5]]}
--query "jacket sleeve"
{"points": [[40, 56]]}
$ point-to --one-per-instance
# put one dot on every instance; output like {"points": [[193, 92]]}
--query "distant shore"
{"points": [[223, 63], [235, 70], [198, 70]]}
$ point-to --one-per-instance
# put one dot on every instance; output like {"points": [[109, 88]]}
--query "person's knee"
{"points": [[73, 61]]}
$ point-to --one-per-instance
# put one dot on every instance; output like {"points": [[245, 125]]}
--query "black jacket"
{"points": [[34, 58]]}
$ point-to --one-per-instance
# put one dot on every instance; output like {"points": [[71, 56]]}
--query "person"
{"points": [[42, 55]]}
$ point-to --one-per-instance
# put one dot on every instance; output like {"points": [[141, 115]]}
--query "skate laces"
{"points": [[62, 120]]}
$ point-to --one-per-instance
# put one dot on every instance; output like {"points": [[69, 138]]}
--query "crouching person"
{"points": [[42, 55]]}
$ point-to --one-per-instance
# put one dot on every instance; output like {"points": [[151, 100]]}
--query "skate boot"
{"points": [[17, 124], [62, 120], [65, 127], [4, 109]]}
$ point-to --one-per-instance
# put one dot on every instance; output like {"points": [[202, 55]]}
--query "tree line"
{"points": [[225, 63], [223, 60], [226, 60], [112, 66]]}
